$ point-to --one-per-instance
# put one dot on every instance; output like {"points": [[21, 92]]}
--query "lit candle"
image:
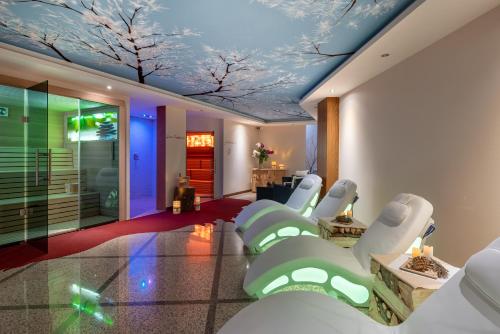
{"points": [[177, 207], [428, 251], [415, 251]]}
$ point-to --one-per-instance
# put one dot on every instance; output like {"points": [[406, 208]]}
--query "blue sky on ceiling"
{"points": [[256, 57]]}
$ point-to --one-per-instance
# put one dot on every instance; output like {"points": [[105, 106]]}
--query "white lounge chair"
{"points": [[278, 225], [468, 303], [342, 272], [303, 200]]}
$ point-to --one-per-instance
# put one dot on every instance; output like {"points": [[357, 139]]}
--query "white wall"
{"points": [[289, 144], [199, 123], [175, 148], [431, 126], [239, 140]]}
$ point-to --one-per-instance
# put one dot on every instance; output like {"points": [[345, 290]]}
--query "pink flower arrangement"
{"points": [[261, 153]]}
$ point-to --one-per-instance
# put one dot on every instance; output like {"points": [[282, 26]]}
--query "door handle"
{"points": [[37, 167], [49, 177]]}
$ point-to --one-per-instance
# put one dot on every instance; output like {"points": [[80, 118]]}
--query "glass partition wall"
{"points": [[58, 164], [98, 162]]}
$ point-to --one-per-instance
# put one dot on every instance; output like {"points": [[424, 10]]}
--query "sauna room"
{"points": [[66, 157], [200, 162]]}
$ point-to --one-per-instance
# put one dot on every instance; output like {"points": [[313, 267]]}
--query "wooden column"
{"points": [[328, 141], [161, 175]]}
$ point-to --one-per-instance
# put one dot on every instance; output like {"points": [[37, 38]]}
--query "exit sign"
{"points": [[4, 112]]}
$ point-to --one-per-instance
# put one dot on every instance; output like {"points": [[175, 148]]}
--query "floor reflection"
{"points": [[168, 282]]}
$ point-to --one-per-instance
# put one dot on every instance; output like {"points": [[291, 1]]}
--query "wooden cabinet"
{"points": [[261, 177]]}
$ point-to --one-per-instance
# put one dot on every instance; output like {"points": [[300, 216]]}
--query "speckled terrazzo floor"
{"points": [[182, 281]]}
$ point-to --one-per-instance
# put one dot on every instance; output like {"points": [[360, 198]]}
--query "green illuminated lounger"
{"points": [[469, 302], [343, 273], [303, 200], [278, 225]]}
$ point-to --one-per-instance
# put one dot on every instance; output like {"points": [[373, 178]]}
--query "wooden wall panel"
{"points": [[328, 141]]}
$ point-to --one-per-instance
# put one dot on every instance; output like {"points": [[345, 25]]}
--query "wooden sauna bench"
{"points": [[62, 206]]}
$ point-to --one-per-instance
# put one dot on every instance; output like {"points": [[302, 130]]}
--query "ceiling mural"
{"points": [[255, 57]]}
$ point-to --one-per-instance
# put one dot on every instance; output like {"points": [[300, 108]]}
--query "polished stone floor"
{"points": [[183, 281]]}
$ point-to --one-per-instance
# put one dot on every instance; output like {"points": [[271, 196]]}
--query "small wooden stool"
{"points": [[397, 293], [342, 235]]}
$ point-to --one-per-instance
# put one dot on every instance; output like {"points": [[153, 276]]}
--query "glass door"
{"points": [[24, 165], [38, 170], [12, 165]]}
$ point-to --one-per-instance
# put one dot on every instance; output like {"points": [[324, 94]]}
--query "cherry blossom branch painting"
{"points": [[235, 77], [258, 58], [118, 32], [319, 47]]}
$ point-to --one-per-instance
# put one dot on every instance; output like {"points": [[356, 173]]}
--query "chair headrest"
{"points": [[301, 172], [495, 244], [396, 211], [306, 184], [483, 272], [339, 188]]}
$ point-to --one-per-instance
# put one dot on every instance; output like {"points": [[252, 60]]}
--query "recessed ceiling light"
{"points": [[385, 55], [108, 87], [332, 90]]}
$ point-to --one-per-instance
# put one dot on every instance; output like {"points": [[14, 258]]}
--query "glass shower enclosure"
{"points": [[58, 164]]}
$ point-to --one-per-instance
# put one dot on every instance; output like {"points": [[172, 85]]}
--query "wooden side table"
{"points": [[397, 293], [342, 235]]}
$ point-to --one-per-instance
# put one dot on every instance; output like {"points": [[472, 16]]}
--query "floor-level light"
{"points": [[177, 207], [197, 203]]}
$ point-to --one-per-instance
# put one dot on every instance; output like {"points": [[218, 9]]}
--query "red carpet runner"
{"points": [[79, 241]]}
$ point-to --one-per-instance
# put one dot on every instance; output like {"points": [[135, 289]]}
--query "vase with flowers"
{"points": [[261, 153]]}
